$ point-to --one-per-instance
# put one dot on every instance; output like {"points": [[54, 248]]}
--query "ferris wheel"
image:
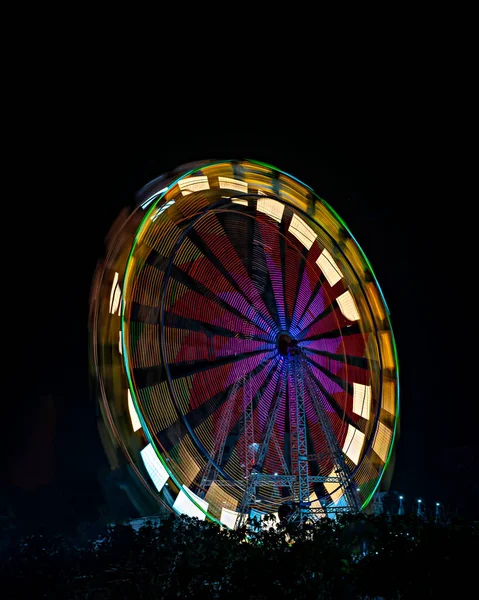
{"points": [[242, 348]]}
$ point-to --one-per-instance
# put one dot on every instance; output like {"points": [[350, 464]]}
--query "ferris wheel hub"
{"points": [[286, 344]]}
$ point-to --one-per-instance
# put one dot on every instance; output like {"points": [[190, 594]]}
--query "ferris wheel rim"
{"points": [[223, 203]]}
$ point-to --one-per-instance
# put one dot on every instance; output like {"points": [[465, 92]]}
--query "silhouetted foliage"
{"points": [[353, 557]]}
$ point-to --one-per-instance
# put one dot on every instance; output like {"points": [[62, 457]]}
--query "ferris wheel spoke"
{"points": [[287, 290], [350, 330], [332, 320], [261, 277], [148, 376], [183, 302], [297, 276], [210, 406], [181, 322], [340, 367], [272, 378], [191, 347], [259, 319], [210, 270], [240, 231], [310, 281], [224, 257], [186, 369], [330, 399], [313, 294], [337, 454], [353, 344], [204, 292], [294, 257], [303, 335], [339, 381], [355, 361], [271, 244], [217, 401]]}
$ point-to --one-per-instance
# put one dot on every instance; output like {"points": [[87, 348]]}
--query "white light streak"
{"points": [[193, 184], [329, 267], [184, 506], [272, 208], [353, 444], [153, 465], [382, 441], [334, 489], [135, 421], [348, 307], [302, 232], [362, 399], [161, 209], [115, 296], [233, 184], [228, 517], [151, 198]]}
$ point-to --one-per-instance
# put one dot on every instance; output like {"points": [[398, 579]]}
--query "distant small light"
{"points": [[276, 474], [401, 497], [437, 503], [358, 489], [419, 500]]}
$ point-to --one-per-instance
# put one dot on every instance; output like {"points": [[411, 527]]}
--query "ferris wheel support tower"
{"points": [[300, 480]]}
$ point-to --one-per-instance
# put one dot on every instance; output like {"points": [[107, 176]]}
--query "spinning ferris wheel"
{"points": [[242, 348]]}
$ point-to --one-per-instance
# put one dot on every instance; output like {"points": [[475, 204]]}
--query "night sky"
{"points": [[399, 188]]}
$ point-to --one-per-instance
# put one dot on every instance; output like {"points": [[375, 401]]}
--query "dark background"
{"points": [[400, 178]]}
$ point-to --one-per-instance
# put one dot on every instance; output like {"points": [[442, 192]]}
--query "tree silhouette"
{"points": [[351, 557]]}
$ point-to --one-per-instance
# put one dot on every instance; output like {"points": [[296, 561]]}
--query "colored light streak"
{"points": [[153, 197], [162, 209]]}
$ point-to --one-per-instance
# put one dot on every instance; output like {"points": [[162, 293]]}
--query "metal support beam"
{"points": [[337, 455], [251, 484], [210, 474], [264, 479], [280, 454], [249, 454], [298, 436]]}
